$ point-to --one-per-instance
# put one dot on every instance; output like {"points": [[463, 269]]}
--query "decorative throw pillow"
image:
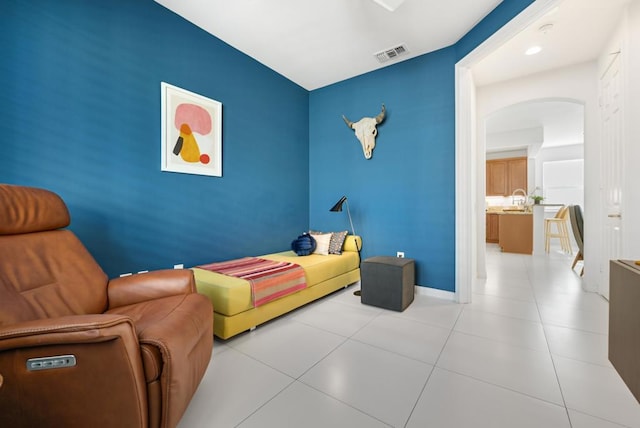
{"points": [[322, 243], [337, 241], [304, 244]]}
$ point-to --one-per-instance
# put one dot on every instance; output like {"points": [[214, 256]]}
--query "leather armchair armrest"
{"points": [[69, 329], [129, 290]]}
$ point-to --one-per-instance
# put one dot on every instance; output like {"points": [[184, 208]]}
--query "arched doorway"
{"points": [[546, 131], [562, 83]]}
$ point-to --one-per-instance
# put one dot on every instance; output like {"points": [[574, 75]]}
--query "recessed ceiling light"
{"points": [[533, 50]]}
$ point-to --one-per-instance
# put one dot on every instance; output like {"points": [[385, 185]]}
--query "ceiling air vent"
{"points": [[392, 53]]}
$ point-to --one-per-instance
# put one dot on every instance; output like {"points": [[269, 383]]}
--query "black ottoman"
{"points": [[388, 282]]}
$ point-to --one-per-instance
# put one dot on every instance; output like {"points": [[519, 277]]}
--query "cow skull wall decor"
{"points": [[366, 131]]}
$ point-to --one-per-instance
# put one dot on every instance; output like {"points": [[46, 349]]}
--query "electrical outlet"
{"points": [[178, 266], [400, 254]]}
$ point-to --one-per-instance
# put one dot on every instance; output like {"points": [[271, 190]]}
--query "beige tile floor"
{"points": [[529, 351]]}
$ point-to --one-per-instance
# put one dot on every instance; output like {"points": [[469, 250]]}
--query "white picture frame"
{"points": [[191, 141]]}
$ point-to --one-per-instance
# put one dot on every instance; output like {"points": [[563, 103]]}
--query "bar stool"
{"points": [[561, 230]]}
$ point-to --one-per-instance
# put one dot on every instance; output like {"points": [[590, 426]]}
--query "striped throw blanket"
{"points": [[269, 279]]}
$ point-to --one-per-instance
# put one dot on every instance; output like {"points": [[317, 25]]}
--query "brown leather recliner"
{"points": [[79, 350]]}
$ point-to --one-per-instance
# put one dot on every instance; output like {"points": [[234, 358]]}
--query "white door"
{"points": [[611, 159]]}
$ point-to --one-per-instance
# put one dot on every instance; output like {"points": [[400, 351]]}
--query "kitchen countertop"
{"points": [[510, 211], [513, 213]]}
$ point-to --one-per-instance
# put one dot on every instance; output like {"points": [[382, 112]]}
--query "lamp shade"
{"points": [[338, 206]]}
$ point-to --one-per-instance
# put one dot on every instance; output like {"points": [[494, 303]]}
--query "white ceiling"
{"points": [[317, 43], [581, 29]]}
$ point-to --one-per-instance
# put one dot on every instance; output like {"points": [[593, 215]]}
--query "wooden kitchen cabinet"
{"points": [[506, 175], [497, 182], [517, 174], [493, 228]]}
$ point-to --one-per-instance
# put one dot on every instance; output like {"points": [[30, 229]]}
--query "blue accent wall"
{"points": [[80, 115], [403, 199], [496, 19]]}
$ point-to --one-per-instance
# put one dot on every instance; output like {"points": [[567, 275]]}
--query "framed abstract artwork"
{"points": [[191, 132]]}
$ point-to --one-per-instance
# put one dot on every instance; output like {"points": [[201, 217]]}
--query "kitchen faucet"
{"points": [[513, 195]]}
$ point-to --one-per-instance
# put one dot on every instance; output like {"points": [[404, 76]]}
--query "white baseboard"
{"points": [[435, 292]]}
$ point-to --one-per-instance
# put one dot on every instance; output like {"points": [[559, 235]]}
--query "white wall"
{"points": [[574, 83], [504, 141], [626, 40], [563, 182], [549, 154], [631, 215], [507, 154]]}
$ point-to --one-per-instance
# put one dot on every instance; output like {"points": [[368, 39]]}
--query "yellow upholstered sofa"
{"points": [[232, 301]]}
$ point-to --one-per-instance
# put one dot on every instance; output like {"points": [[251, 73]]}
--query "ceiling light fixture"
{"points": [[533, 50], [390, 5]]}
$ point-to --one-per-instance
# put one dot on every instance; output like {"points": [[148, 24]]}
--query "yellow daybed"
{"points": [[232, 301]]}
